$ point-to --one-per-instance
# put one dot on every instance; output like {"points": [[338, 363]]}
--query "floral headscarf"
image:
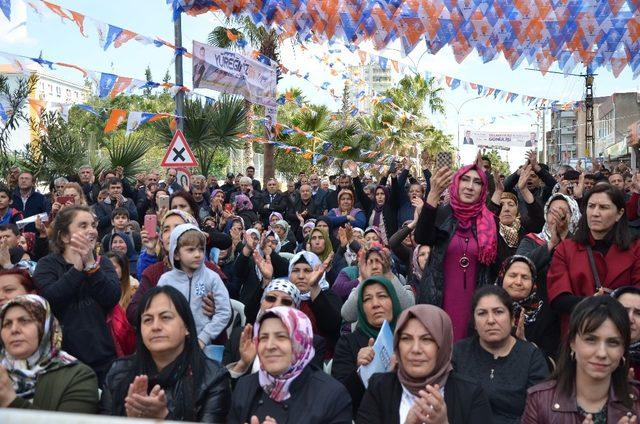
{"points": [[478, 213], [301, 335], [48, 357], [532, 304]]}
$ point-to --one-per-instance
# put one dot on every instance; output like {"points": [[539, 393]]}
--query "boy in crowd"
{"points": [[8, 214], [195, 281], [120, 223]]}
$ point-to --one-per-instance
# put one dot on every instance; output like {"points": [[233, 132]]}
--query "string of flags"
{"points": [[380, 159], [539, 32], [108, 34], [117, 117], [443, 79], [108, 84]]}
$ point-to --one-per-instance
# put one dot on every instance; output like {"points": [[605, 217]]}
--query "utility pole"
{"points": [[177, 26], [588, 105], [590, 147]]}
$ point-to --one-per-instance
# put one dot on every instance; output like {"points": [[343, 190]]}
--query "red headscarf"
{"points": [[465, 213]]}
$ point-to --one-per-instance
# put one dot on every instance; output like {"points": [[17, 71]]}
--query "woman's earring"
{"points": [[573, 355]]}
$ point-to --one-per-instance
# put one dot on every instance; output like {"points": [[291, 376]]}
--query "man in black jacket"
{"points": [[115, 199], [271, 201], [303, 208], [331, 200]]}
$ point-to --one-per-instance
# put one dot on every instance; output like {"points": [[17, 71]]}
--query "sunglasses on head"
{"points": [[273, 299]]}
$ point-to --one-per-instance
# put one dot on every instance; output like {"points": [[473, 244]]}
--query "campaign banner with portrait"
{"points": [[230, 72], [500, 139]]}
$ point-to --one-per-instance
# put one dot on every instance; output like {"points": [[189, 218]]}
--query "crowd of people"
{"points": [[510, 298]]}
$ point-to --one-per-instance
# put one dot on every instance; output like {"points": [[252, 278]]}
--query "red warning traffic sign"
{"points": [[179, 153]]}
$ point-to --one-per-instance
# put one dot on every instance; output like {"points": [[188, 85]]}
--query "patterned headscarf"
{"points": [[438, 323], [468, 213], [313, 261], [511, 233], [243, 203], [545, 234], [186, 216], [47, 357], [285, 286], [532, 304], [301, 335], [276, 214], [415, 266]]}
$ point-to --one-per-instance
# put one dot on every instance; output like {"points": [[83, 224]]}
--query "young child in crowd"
{"points": [[194, 280], [120, 224]]}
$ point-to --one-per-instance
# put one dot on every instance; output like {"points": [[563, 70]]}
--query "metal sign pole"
{"points": [[177, 25]]}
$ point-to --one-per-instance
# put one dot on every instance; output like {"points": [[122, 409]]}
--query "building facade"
{"points": [[51, 93]]}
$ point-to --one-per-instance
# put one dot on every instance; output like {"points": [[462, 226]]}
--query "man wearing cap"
{"points": [[228, 185]]}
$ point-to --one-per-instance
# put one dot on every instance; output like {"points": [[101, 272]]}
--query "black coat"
{"points": [[466, 402], [345, 368], [231, 352], [316, 398], [545, 330], [81, 303], [246, 278], [389, 209], [212, 397], [506, 379], [435, 228], [266, 206]]}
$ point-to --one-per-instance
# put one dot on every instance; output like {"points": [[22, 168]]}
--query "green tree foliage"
{"points": [[12, 102], [497, 162], [210, 129]]}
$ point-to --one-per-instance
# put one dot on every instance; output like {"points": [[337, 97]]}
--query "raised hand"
{"points": [[265, 267], [524, 176], [7, 393], [342, 236], [366, 354], [247, 347], [148, 243], [520, 327], [440, 181]]}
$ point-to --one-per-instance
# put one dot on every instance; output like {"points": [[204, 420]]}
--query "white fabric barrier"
{"points": [[22, 416]]}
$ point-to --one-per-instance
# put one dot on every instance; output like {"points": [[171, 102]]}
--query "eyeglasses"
{"points": [[273, 299]]}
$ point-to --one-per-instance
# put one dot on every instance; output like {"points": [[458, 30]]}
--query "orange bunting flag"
{"points": [[121, 84], [231, 36], [346, 148], [363, 56], [124, 36], [56, 9], [173, 125], [68, 65], [37, 105], [79, 20], [117, 117]]}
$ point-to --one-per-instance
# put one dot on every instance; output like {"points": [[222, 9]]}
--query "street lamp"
{"points": [[458, 109]]}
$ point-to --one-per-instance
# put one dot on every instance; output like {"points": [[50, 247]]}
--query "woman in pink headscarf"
{"points": [[463, 240]]}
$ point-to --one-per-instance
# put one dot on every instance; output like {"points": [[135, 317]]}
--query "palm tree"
{"points": [[210, 128], [266, 42]]}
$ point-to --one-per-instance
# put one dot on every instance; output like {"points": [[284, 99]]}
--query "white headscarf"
{"points": [[312, 260]]}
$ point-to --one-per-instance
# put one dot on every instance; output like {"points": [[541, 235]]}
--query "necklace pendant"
{"points": [[464, 262]]}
